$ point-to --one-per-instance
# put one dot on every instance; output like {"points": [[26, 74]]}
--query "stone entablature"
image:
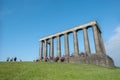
{"points": [[81, 27]]}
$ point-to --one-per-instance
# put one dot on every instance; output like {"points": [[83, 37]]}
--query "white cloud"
{"points": [[113, 46]]}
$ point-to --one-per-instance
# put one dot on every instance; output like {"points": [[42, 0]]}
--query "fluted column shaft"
{"points": [[66, 46], [51, 48], [86, 42], [76, 49], [45, 48], [96, 39], [58, 47], [101, 44], [41, 49]]}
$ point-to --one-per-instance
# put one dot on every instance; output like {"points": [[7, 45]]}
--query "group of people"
{"points": [[56, 59], [52, 59], [82, 54], [12, 59]]}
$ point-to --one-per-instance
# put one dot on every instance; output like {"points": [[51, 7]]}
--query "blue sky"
{"points": [[24, 22]]}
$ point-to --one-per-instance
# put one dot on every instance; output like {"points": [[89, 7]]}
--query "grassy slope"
{"points": [[56, 71]]}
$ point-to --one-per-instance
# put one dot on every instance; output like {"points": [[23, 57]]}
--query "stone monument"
{"points": [[99, 58]]}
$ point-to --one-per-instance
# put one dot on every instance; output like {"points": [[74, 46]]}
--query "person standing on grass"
{"points": [[15, 59]]}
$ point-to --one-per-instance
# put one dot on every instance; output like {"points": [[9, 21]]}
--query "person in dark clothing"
{"points": [[15, 59]]}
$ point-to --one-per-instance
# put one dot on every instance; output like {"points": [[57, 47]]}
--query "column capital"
{"points": [[65, 33], [85, 28], [57, 35], [93, 25], [74, 31]]}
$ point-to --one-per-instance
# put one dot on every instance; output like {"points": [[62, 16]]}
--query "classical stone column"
{"points": [[41, 50], [76, 49], [51, 48], [66, 46], [101, 43], [86, 42], [58, 47], [45, 49], [96, 39]]}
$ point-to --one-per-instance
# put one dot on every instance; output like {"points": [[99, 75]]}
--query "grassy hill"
{"points": [[56, 71]]}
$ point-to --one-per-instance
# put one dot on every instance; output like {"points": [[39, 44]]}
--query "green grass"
{"points": [[56, 71]]}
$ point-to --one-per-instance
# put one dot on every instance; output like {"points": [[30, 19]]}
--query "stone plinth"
{"points": [[102, 60]]}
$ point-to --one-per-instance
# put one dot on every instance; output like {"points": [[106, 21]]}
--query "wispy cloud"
{"points": [[113, 46]]}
